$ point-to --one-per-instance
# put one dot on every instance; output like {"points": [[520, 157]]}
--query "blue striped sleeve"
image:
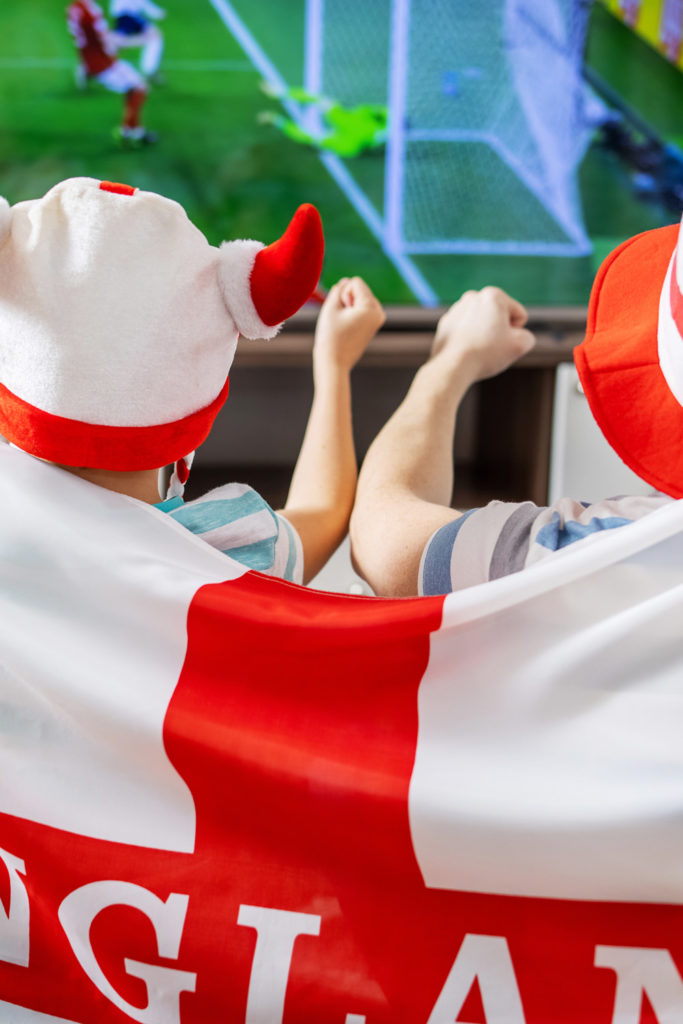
{"points": [[237, 521], [290, 572], [258, 555], [202, 516]]}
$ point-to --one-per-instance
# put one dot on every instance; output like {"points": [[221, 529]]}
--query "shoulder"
{"points": [[238, 521], [223, 506]]}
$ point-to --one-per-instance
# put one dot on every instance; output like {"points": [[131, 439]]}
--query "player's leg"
{"points": [[123, 78], [132, 109], [132, 131], [287, 126], [296, 93]]}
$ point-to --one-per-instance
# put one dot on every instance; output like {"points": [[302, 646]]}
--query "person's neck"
{"points": [[141, 484]]}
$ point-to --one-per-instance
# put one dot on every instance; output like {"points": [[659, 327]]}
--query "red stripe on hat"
{"points": [[102, 446], [118, 188], [618, 362], [676, 299]]}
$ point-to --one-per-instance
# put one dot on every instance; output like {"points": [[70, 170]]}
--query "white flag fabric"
{"points": [[227, 798]]}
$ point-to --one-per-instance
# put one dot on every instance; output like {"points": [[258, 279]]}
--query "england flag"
{"points": [[225, 799]]}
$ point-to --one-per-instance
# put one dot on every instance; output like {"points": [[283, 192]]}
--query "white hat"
{"points": [[119, 322]]}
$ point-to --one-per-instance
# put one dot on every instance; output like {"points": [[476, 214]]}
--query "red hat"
{"points": [[631, 361], [119, 322]]}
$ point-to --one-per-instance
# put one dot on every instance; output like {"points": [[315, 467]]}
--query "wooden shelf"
{"points": [[406, 338]]}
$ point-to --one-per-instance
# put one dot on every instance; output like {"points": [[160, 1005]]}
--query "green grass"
{"points": [[235, 178], [239, 179]]}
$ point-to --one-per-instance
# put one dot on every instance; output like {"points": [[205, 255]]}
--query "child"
{"points": [[118, 325]]}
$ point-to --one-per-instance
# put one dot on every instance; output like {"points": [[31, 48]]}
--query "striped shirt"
{"points": [[241, 524], [504, 537]]}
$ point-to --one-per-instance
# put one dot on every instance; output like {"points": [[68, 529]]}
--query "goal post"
{"points": [[487, 116]]}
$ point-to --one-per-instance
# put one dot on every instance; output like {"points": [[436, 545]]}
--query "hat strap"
{"points": [[179, 477]]}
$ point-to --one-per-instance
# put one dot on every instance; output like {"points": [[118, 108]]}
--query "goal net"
{"points": [[488, 116]]}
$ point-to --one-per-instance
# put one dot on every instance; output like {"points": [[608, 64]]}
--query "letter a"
{"points": [[486, 958]]}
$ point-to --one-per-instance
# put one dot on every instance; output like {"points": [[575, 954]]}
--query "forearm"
{"points": [[413, 453], [324, 480], [406, 482]]}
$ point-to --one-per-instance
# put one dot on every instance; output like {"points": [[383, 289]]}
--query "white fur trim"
{"points": [[235, 264], [5, 217], [669, 341]]}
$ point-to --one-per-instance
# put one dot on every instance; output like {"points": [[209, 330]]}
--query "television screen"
{"points": [[448, 144]]}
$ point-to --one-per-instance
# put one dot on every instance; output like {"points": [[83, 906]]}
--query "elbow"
{"points": [[377, 560]]}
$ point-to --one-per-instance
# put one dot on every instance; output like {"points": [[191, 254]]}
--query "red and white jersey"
{"points": [[89, 28]]}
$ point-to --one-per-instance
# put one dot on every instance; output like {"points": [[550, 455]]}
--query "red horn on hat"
{"points": [[286, 272]]}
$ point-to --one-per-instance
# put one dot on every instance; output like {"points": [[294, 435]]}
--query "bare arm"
{"points": [[406, 482], [324, 481]]}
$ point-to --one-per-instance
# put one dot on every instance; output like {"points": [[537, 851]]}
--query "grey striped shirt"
{"points": [[505, 537]]}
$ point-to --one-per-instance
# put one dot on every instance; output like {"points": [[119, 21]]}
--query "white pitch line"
{"points": [[58, 63], [361, 204], [31, 63]]}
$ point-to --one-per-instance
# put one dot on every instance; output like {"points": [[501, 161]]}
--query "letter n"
{"points": [[643, 971]]}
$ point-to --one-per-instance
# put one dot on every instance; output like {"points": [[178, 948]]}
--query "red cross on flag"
{"points": [[224, 798]]}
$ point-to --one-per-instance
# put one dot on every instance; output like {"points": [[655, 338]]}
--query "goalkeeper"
{"points": [[346, 131]]}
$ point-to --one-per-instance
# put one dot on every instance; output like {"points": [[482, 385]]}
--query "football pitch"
{"points": [[239, 178]]}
